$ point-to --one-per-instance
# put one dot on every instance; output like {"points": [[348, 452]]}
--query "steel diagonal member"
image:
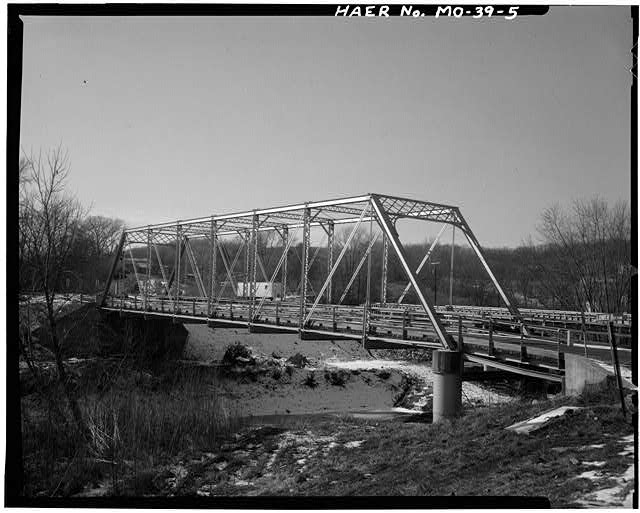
{"points": [[194, 267], [275, 272], [309, 284], [358, 267], [114, 265], [335, 266], [311, 261], [445, 338], [173, 271], [133, 264], [261, 265], [424, 261], [229, 270], [161, 265], [475, 245]]}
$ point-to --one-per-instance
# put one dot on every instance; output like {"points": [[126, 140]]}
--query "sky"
{"points": [[174, 118]]}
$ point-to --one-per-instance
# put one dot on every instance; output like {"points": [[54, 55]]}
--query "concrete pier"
{"points": [[447, 385]]}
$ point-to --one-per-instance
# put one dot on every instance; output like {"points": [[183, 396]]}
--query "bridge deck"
{"points": [[498, 343]]}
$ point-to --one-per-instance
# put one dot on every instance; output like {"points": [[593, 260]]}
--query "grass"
{"points": [[472, 456], [133, 428]]}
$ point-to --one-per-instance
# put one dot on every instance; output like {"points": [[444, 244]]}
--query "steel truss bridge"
{"points": [[528, 342]]}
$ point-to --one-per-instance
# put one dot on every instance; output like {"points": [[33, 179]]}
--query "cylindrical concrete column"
{"points": [[447, 385]]}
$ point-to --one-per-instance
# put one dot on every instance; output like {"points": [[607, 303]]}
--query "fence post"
{"points": [[193, 306], [491, 346], [616, 364], [584, 334], [523, 348], [277, 313], [460, 338], [560, 352], [569, 341], [404, 324], [335, 323]]}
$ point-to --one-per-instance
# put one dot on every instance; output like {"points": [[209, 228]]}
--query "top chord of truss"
{"points": [[322, 213]]}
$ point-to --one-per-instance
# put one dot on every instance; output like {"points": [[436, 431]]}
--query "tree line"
{"points": [[580, 259]]}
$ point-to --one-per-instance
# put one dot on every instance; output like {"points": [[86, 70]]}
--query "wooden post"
{"points": [[569, 341], [584, 334], [523, 347], [560, 352], [616, 364], [404, 324], [460, 338], [277, 313], [335, 324], [492, 350], [193, 306]]}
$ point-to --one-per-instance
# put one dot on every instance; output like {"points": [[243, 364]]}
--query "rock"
{"points": [[298, 360], [276, 355]]}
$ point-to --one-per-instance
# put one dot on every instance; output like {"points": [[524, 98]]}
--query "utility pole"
{"points": [[435, 282]]}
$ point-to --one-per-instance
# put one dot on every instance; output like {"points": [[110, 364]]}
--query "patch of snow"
{"points": [[625, 373], [472, 393], [589, 474], [354, 444], [594, 463], [529, 425], [619, 495]]}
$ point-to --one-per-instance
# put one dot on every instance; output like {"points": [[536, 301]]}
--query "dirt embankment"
{"points": [[329, 376]]}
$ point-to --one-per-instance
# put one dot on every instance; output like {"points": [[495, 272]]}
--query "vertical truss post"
{"points": [[213, 240], [367, 300], [285, 240], [306, 239], [385, 223], [453, 244], [146, 287], [253, 265], [177, 269], [114, 265], [330, 234], [247, 254], [385, 264]]}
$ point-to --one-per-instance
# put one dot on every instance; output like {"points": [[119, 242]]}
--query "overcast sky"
{"points": [[168, 118]]}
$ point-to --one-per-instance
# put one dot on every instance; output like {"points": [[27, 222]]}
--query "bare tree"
{"points": [[591, 249], [49, 222], [102, 233]]}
